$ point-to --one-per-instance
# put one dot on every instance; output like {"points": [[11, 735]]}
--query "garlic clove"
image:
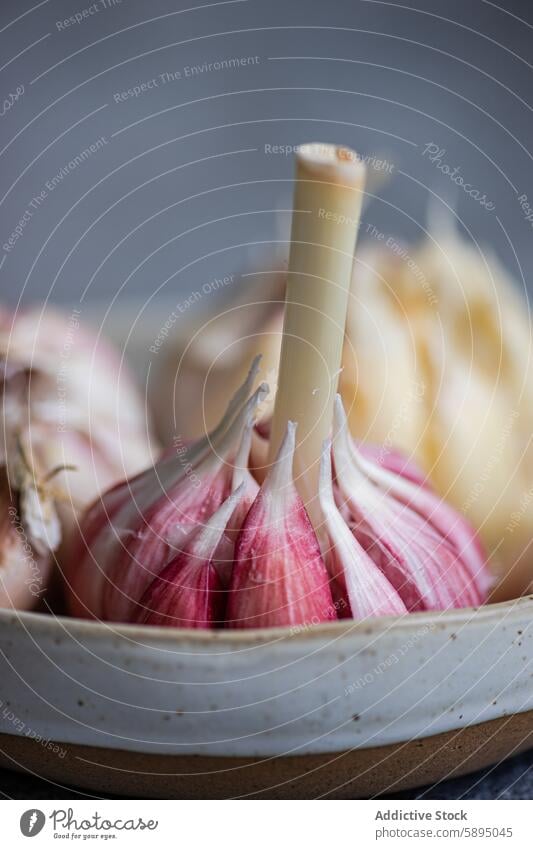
{"points": [[279, 576], [189, 593], [426, 570], [241, 478], [170, 516], [359, 588], [152, 515], [452, 526]]}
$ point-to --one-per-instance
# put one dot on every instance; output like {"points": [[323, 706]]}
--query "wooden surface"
{"points": [[510, 779], [355, 774]]}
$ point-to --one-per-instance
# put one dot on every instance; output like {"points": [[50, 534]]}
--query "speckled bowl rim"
{"points": [[461, 617]]}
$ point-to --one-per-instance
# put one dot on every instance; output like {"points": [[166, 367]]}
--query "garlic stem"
{"points": [[327, 203]]}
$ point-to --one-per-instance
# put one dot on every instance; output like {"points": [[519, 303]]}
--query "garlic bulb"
{"points": [[193, 542], [436, 363], [68, 406], [313, 543], [208, 358]]}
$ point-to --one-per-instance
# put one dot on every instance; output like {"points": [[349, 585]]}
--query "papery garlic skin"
{"points": [[279, 577], [24, 572], [129, 535]]}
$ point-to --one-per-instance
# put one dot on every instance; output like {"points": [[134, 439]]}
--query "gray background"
{"points": [[385, 78]]}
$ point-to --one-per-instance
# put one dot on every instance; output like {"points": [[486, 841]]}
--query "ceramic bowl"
{"points": [[340, 710]]}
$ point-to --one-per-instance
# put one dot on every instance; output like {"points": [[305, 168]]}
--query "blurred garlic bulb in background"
{"points": [[441, 368], [436, 363], [72, 425], [208, 360]]}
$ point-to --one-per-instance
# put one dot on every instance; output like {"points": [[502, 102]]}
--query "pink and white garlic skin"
{"points": [[130, 534], [195, 542], [278, 575], [72, 425]]}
